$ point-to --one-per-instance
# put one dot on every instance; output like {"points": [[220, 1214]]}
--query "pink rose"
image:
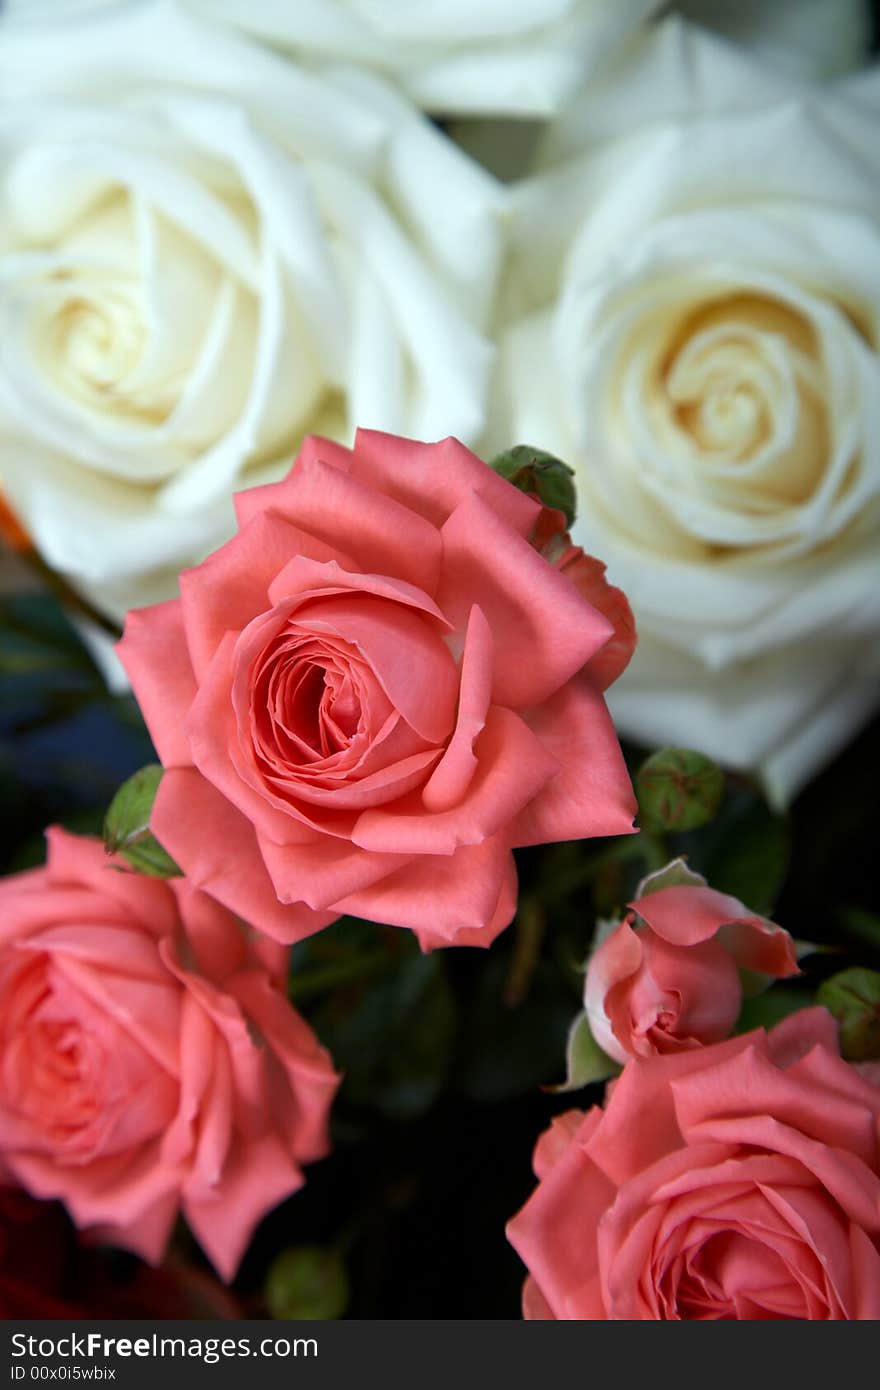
{"points": [[588, 576], [374, 692], [735, 1181], [149, 1059], [667, 977]]}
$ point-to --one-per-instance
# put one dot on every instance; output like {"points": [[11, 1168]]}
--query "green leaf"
{"points": [[307, 1281], [678, 789], [127, 825], [541, 475], [853, 997], [148, 857], [585, 1060]]}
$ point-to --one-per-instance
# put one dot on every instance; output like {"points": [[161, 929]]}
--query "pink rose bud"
{"points": [[667, 977], [374, 693], [151, 1062], [739, 1181]]}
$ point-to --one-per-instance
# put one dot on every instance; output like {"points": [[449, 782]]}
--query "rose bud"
{"points": [[667, 978]]}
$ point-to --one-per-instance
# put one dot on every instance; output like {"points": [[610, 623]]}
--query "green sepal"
{"points": [[127, 825], [853, 997], [584, 1058], [541, 475], [678, 789]]}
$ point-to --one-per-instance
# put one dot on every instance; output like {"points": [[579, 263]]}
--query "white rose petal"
{"points": [[697, 330], [206, 253], [456, 57]]}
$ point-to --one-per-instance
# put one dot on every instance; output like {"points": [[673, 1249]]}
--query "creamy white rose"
{"points": [[456, 57], [206, 253], [710, 365]]}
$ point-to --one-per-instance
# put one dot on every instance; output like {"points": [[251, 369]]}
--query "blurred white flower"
{"points": [[39, 11], [455, 57], [205, 253], [696, 296], [796, 38]]}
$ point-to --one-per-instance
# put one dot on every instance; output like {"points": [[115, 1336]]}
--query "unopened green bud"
{"points": [[127, 825], [853, 997], [541, 475], [678, 789], [307, 1281]]}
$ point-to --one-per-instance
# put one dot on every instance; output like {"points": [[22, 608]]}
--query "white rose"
{"points": [[206, 253], [456, 57], [708, 360], [795, 38]]}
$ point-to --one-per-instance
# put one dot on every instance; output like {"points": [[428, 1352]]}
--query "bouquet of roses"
{"points": [[318, 677]]}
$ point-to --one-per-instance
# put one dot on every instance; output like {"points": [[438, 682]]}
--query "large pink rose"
{"points": [[735, 1181], [149, 1059], [667, 976], [373, 693]]}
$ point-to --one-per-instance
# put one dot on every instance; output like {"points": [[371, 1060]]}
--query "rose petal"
{"points": [[406, 654], [303, 580], [323, 873], [685, 916], [592, 793], [154, 651], [528, 604], [185, 804], [229, 589], [705, 982], [618, 958], [72, 859], [273, 497], [452, 893], [254, 1180], [307, 1065], [555, 1232], [501, 917], [432, 479], [512, 767], [644, 1088], [215, 742], [380, 534], [453, 774]]}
